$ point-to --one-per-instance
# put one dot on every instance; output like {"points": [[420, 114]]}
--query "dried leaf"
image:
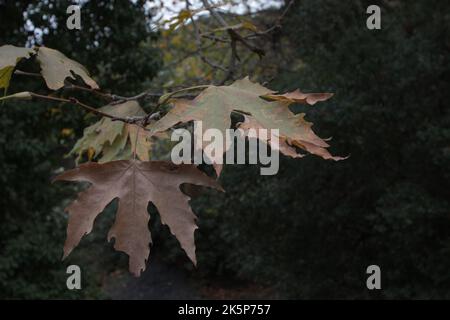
{"points": [[214, 105], [109, 138], [56, 67], [299, 97], [283, 146], [134, 184]]}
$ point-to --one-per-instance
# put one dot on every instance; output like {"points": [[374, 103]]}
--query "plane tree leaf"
{"points": [[9, 57], [214, 105], [135, 184], [108, 140], [56, 68]]}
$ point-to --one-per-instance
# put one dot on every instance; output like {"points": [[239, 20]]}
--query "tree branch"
{"points": [[23, 73], [198, 42], [71, 86], [74, 101], [260, 52], [276, 25]]}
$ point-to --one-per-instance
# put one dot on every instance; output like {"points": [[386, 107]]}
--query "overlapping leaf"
{"points": [[135, 184], [282, 145], [299, 97], [56, 67], [9, 57], [108, 140], [215, 104]]}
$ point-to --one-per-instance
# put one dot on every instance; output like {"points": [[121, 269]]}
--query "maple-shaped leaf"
{"points": [[214, 105], [9, 57], [107, 140], [56, 68], [135, 184]]}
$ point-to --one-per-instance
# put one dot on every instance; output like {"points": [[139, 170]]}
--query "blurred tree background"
{"points": [[116, 45], [311, 230]]}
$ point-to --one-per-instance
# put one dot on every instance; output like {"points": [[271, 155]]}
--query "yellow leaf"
{"points": [[249, 26], [184, 14]]}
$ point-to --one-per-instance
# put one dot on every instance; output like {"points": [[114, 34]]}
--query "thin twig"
{"points": [[141, 95], [198, 42], [74, 101], [232, 64], [71, 86], [214, 38], [260, 52], [276, 25], [23, 73], [164, 99]]}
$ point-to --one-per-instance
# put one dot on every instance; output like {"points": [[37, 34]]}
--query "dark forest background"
{"points": [[308, 232]]}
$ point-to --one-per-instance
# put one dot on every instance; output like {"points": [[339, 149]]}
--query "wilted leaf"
{"points": [[9, 57], [299, 97], [283, 146], [134, 184], [214, 105], [56, 67], [108, 138]]}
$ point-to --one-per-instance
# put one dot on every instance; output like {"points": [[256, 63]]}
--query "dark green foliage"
{"points": [[114, 42], [313, 229]]}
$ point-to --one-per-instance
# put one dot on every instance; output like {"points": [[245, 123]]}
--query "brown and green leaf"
{"points": [[215, 104], [108, 140], [9, 57]]}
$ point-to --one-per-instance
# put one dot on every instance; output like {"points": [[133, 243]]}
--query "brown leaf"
{"points": [[299, 97], [135, 184], [283, 146]]}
